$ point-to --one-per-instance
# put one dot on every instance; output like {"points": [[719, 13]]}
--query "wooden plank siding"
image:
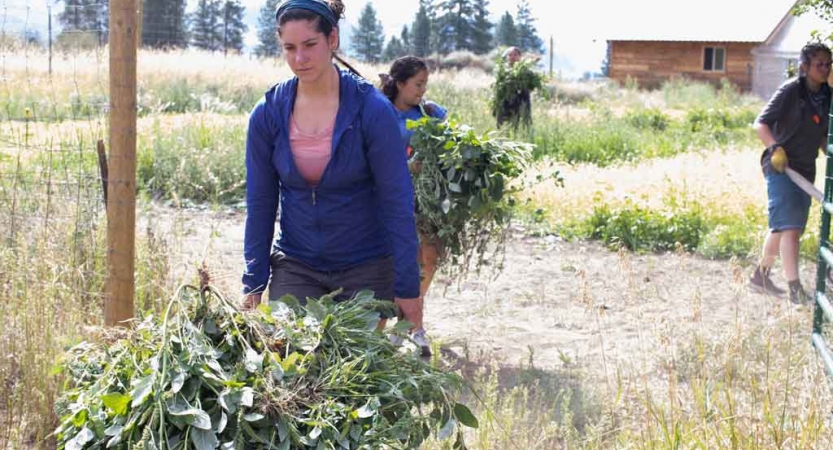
{"points": [[651, 63]]}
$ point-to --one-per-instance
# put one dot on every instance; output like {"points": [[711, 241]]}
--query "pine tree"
{"points": [[506, 33], [605, 69], [163, 24], [96, 17], [206, 25], [528, 39], [405, 38], [421, 30], [267, 30], [369, 38], [436, 26], [72, 18], [482, 28], [394, 49], [233, 26], [455, 26], [85, 17]]}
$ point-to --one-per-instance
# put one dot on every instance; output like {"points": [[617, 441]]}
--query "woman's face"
{"points": [[412, 90], [819, 68], [308, 51]]}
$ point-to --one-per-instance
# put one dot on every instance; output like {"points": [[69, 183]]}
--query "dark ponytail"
{"points": [[347, 65], [323, 25]]}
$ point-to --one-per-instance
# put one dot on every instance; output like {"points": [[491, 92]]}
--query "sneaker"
{"points": [[421, 340], [761, 282], [799, 296], [396, 340]]}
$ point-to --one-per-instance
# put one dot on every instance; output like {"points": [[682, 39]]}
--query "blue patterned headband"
{"points": [[317, 6]]}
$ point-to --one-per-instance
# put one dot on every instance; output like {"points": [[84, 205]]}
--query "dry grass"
{"points": [[86, 71]]}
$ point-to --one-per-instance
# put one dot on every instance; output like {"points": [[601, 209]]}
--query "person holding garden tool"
{"points": [[325, 147], [405, 85], [793, 126]]}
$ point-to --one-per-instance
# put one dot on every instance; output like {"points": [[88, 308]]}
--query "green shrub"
{"points": [[689, 225], [197, 161], [700, 119], [639, 229], [682, 93], [640, 133], [648, 119], [734, 238], [602, 142]]}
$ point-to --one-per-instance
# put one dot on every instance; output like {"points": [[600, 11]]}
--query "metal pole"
{"points": [[121, 185], [824, 235]]}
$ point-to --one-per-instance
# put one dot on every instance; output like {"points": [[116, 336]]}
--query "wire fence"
{"points": [[50, 124], [53, 114]]}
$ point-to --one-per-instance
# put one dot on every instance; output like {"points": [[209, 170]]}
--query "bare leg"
{"points": [[789, 253], [772, 246], [428, 257]]}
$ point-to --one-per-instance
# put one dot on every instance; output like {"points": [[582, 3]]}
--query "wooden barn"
{"points": [[750, 43]]}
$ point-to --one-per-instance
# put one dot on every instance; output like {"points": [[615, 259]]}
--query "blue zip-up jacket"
{"points": [[363, 206], [415, 113]]}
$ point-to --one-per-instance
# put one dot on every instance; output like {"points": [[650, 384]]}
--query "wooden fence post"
{"points": [[121, 185]]}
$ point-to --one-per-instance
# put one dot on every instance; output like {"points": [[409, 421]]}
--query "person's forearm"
{"points": [[765, 134]]}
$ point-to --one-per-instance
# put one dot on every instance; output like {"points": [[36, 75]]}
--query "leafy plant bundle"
{"points": [[282, 377], [511, 90], [463, 193]]}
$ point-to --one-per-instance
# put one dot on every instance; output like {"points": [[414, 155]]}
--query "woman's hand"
{"points": [[252, 301], [414, 167], [411, 310]]}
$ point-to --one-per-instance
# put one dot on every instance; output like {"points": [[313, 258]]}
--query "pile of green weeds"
{"points": [[207, 375]]}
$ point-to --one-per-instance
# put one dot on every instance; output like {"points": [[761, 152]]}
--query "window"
{"points": [[714, 59]]}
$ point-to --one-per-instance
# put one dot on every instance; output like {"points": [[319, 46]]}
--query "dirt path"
{"points": [[567, 302]]}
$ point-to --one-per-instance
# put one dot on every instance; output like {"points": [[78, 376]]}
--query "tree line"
{"points": [[445, 26], [439, 26], [215, 25]]}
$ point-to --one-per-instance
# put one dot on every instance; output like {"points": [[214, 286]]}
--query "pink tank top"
{"points": [[311, 152]]}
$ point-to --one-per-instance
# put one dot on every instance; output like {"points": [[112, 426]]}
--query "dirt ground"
{"points": [[561, 303]]}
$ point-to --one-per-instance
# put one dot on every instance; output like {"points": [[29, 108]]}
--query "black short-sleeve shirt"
{"points": [[798, 119]]}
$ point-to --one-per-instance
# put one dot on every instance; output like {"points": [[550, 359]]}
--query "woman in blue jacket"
{"points": [[325, 147], [405, 87]]}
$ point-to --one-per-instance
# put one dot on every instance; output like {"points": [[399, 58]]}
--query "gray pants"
{"points": [[290, 276]]}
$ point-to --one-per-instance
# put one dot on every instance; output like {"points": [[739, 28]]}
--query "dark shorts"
{"points": [[290, 276], [788, 205]]}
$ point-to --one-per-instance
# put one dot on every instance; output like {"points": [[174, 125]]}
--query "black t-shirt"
{"points": [[798, 119]]}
